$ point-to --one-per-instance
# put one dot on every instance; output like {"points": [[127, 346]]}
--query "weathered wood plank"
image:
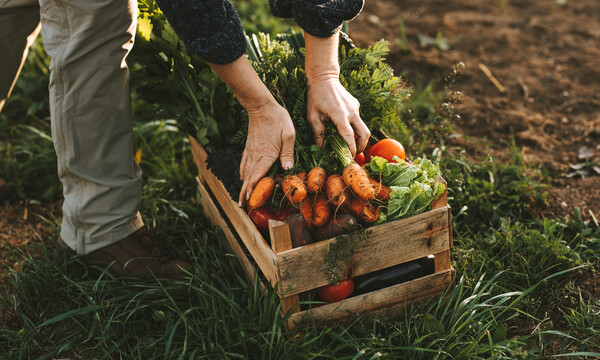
{"points": [[216, 218], [441, 200], [255, 243], [442, 261], [391, 298], [282, 241], [389, 244]]}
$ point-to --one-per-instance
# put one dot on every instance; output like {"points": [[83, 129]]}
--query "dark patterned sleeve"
{"points": [[321, 18], [209, 28]]}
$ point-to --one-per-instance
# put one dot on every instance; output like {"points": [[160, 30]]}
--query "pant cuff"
{"points": [[82, 244]]}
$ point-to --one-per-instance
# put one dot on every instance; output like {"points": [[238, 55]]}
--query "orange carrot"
{"points": [[262, 192], [321, 211], [316, 179], [302, 176], [382, 192], [293, 188], [307, 211], [335, 188], [357, 178], [363, 209]]}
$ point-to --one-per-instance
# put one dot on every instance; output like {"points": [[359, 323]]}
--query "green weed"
{"points": [[584, 322], [526, 253], [486, 192], [402, 42]]}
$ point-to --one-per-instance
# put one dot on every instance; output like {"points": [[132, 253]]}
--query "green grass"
{"points": [[517, 293], [27, 157]]}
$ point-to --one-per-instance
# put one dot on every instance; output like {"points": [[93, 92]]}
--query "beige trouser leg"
{"points": [[19, 26], [91, 118]]}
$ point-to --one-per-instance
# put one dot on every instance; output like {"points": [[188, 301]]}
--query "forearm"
{"points": [[241, 78], [327, 98], [321, 58]]}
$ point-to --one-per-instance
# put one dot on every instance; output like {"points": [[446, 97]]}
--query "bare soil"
{"points": [[23, 224], [545, 58]]}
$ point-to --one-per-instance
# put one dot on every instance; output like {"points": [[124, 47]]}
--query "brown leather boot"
{"points": [[136, 255]]}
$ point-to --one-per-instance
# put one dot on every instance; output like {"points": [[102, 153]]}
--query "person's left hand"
{"points": [[329, 100]]}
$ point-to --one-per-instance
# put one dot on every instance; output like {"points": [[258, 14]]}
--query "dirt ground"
{"points": [[545, 58], [22, 224]]}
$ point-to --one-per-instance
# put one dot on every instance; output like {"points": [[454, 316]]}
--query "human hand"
{"points": [[271, 135], [329, 100]]}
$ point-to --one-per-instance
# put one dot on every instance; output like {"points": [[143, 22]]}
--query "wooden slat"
{"points": [[302, 269], [441, 200], [216, 218], [391, 298], [282, 241], [255, 243], [442, 261], [450, 227]]}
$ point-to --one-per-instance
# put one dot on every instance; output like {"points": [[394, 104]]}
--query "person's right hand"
{"points": [[271, 135], [327, 99]]}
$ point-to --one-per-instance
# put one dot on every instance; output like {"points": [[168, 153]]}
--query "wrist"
{"points": [[245, 83], [258, 107], [255, 102], [321, 58]]}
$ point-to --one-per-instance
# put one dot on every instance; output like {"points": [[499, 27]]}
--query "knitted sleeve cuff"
{"points": [[321, 18], [210, 29]]}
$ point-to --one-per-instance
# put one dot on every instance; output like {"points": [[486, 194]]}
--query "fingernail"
{"points": [[240, 203], [288, 165], [247, 195]]}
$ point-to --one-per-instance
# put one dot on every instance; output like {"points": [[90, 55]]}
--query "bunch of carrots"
{"points": [[321, 198], [317, 195]]}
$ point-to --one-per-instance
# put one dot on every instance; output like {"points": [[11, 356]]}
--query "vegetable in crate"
{"points": [[294, 189], [358, 179], [321, 212], [389, 276], [262, 192], [362, 209], [334, 293], [298, 232], [316, 179], [338, 225], [412, 187], [387, 149], [336, 190], [261, 216]]}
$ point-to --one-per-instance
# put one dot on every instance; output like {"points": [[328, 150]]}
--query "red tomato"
{"points": [[360, 158], [333, 293], [367, 152], [261, 217], [387, 148]]}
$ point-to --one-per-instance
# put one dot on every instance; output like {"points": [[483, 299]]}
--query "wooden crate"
{"points": [[301, 269]]}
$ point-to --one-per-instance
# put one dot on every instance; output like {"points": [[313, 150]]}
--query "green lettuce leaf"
{"points": [[413, 187]]}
